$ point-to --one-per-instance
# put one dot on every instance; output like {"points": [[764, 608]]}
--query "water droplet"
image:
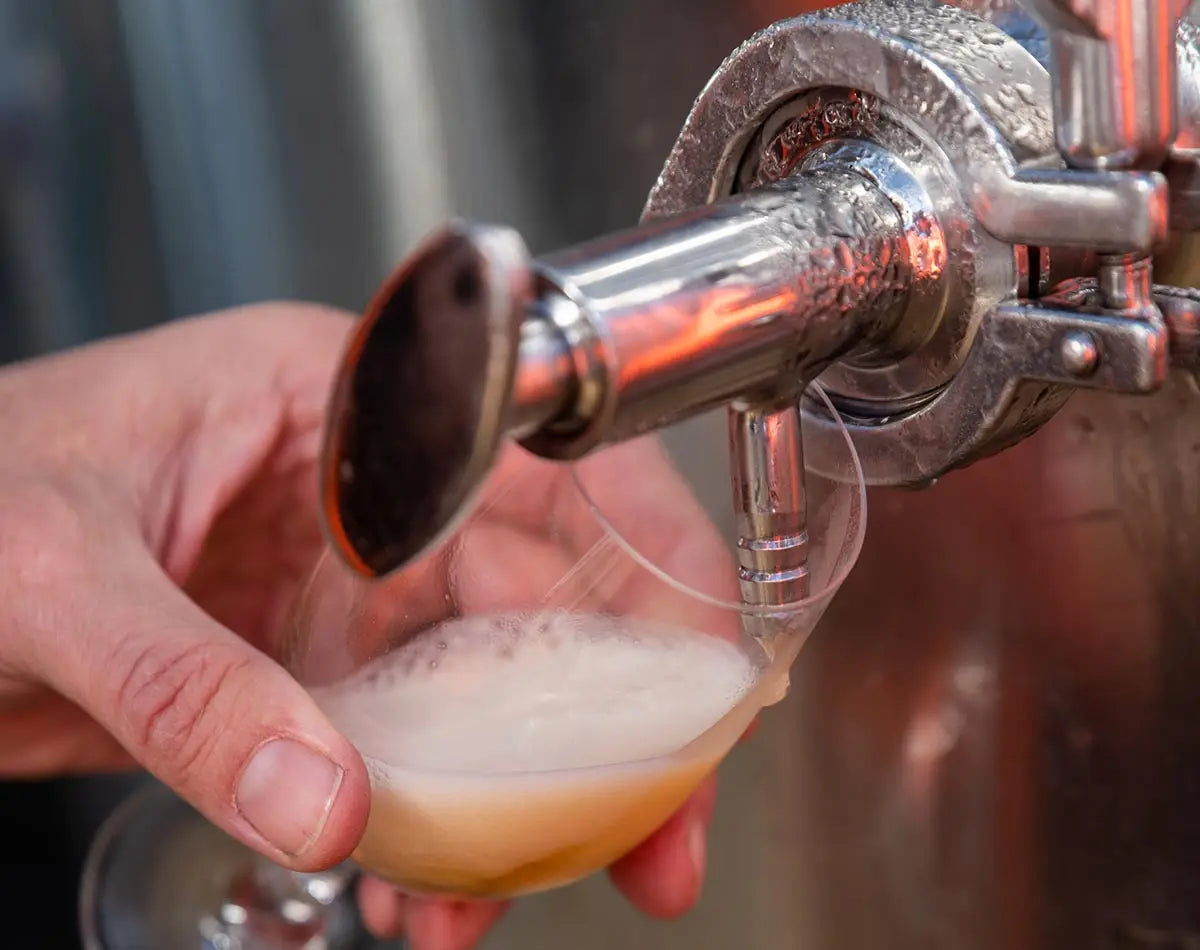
{"points": [[1027, 93]]}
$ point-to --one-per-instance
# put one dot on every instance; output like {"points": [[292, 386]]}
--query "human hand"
{"points": [[159, 499], [523, 546]]}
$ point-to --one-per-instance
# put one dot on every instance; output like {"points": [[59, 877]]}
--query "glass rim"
{"points": [[740, 607], [99, 849]]}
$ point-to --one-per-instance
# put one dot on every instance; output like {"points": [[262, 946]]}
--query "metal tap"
{"points": [[895, 199], [739, 302]]}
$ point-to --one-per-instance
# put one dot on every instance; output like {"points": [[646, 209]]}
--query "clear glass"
{"points": [[544, 688], [159, 875], [532, 699]]}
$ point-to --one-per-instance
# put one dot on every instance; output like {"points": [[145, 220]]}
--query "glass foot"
{"points": [[161, 877]]}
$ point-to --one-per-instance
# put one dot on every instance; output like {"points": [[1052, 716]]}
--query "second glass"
{"points": [[538, 694]]}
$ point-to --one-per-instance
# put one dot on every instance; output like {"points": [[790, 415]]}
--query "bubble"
{"points": [[538, 692]]}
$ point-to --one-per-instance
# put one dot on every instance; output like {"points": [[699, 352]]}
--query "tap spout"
{"points": [[751, 296], [472, 343]]}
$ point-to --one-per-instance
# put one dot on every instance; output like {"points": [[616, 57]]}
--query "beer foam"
{"points": [[534, 693]]}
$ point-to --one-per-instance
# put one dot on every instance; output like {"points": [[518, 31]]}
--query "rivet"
{"points": [[1080, 354]]}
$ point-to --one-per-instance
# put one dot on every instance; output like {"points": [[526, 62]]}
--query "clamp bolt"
{"points": [[1080, 354]]}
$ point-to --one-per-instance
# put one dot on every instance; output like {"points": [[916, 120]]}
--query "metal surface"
{"points": [[954, 792], [1179, 308], [747, 298], [718, 297], [991, 740], [1111, 211], [422, 404], [1114, 65], [756, 294], [992, 385], [1180, 262], [770, 502], [934, 333], [1181, 311], [1080, 353], [1003, 731]]}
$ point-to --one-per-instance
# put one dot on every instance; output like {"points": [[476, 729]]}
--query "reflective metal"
{"points": [[991, 741], [1181, 310], [770, 502], [1114, 66], [415, 423], [971, 761], [748, 299], [756, 294]]}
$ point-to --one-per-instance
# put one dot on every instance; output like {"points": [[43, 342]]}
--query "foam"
{"points": [[535, 693]]}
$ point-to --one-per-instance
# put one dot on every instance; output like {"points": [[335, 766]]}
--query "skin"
{"points": [[158, 497]]}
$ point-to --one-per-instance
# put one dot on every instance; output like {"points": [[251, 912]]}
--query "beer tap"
{"points": [[895, 200]]}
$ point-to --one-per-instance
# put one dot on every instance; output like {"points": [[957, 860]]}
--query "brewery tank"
{"points": [[993, 740]]}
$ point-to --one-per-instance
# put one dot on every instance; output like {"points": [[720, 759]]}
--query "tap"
{"points": [[898, 201]]}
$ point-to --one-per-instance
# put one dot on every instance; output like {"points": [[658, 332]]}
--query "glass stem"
{"points": [[271, 908]]}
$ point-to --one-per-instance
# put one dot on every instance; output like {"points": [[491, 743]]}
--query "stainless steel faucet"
{"points": [[896, 200]]}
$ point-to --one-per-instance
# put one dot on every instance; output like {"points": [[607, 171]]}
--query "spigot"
{"points": [[741, 303], [876, 197]]}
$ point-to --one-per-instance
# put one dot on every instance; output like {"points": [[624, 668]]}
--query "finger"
{"points": [[658, 517], [634, 486], [382, 907], [215, 719], [490, 568], [657, 514], [48, 736], [639, 500], [664, 875], [532, 514], [435, 924]]}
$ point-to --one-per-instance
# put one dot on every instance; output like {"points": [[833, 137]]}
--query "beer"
{"points": [[518, 753]]}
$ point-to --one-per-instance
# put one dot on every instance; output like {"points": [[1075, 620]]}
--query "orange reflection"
{"points": [[771, 10], [726, 313]]}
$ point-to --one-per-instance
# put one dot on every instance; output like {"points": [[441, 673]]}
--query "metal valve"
{"points": [[892, 199]]}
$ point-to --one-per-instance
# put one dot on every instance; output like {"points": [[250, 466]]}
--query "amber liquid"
{"points": [[506, 835], [515, 756]]}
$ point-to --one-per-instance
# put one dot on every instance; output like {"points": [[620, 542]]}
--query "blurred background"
{"points": [[160, 158], [991, 740]]}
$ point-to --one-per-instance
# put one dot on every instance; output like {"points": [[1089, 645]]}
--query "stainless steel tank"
{"points": [[993, 740]]}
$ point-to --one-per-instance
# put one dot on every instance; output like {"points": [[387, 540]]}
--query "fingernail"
{"points": [[696, 847], [287, 792]]}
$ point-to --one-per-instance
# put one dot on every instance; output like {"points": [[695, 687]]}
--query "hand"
{"points": [[528, 532], [157, 515]]}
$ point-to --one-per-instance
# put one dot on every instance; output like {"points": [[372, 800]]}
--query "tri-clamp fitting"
{"points": [[877, 197]]}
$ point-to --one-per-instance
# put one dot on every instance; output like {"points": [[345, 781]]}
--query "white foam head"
{"points": [[537, 693]]}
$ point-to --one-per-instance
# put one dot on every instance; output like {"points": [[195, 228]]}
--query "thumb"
{"points": [[221, 723]]}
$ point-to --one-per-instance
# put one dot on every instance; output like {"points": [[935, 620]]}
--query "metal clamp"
{"points": [[987, 152], [863, 195]]}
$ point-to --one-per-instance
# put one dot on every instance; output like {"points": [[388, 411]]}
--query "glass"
{"points": [[159, 875], [538, 693], [532, 699]]}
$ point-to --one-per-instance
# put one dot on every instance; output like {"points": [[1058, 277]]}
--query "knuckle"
{"points": [[168, 700]]}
